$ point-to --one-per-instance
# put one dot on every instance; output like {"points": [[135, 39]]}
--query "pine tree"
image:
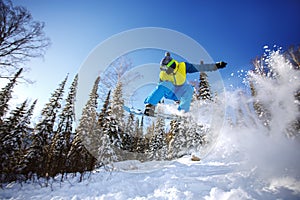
{"points": [[61, 143], [105, 116], [204, 88], [103, 112], [87, 125], [141, 139], [195, 95], [79, 158], [111, 139], [28, 130], [106, 153], [37, 156], [127, 139], [135, 134], [178, 142], [171, 138], [112, 116], [148, 138], [27, 136], [117, 105], [130, 124], [161, 153], [5, 94], [157, 147], [194, 137], [84, 148], [111, 128], [150, 130], [11, 142]]}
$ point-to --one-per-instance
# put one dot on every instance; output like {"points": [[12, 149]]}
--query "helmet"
{"points": [[168, 61]]}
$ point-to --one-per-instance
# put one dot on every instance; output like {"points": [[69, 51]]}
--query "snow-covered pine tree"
{"points": [[84, 148], [108, 135], [150, 130], [136, 134], [61, 143], [103, 118], [138, 138], [127, 139], [161, 152], [103, 112], [88, 121], [151, 147], [11, 143], [195, 96], [111, 131], [110, 119], [141, 140], [27, 136], [111, 128], [107, 155], [28, 130], [38, 153], [204, 88], [5, 94], [194, 137], [79, 158], [129, 129], [117, 104], [157, 147], [177, 146], [147, 139]]}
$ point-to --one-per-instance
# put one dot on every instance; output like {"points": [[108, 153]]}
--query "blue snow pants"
{"points": [[182, 93]]}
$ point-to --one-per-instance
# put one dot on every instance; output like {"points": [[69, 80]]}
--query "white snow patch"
{"points": [[285, 182], [233, 194]]}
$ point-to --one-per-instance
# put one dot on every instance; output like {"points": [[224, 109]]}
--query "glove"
{"points": [[221, 64]]}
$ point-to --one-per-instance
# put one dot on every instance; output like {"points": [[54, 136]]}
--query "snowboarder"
{"points": [[173, 84]]}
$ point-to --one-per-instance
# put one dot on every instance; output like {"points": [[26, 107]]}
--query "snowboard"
{"points": [[140, 112]]}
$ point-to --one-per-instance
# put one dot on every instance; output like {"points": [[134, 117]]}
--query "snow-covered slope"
{"points": [[221, 175]]}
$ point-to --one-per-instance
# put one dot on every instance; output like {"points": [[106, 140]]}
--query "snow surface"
{"points": [[247, 162], [223, 174]]}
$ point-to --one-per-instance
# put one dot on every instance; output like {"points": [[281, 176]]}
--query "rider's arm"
{"points": [[192, 68]]}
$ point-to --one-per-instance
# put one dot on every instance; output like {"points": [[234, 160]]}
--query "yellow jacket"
{"points": [[178, 77]]}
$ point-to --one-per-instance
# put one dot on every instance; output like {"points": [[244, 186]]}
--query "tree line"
{"points": [[53, 146]]}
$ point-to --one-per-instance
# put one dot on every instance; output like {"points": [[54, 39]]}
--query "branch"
{"points": [[21, 38]]}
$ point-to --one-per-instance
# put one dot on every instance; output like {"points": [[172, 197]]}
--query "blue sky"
{"points": [[233, 31]]}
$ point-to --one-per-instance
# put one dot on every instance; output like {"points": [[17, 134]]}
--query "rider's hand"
{"points": [[221, 64]]}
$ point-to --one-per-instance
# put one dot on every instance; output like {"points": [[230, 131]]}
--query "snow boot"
{"points": [[149, 110]]}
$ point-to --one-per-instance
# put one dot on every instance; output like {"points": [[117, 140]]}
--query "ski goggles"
{"points": [[166, 67]]}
